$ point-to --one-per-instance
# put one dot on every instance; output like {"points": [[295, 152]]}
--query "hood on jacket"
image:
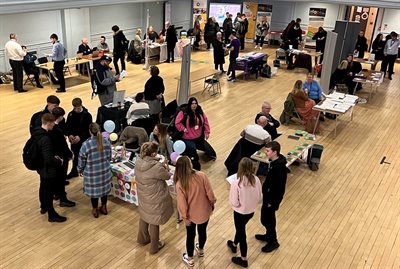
{"points": [[118, 32], [38, 132], [281, 161], [146, 163]]}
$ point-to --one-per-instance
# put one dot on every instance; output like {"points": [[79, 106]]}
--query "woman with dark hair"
{"points": [[195, 201], [153, 92], [210, 31], [94, 166], [377, 47], [196, 130]]}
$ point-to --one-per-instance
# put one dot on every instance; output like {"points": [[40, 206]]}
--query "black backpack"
{"points": [[97, 87], [172, 131], [266, 71], [31, 155]]}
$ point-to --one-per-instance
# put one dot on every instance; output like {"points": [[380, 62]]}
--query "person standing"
{"points": [[120, 48], [77, 130], [233, 47], [219, 52], [261, 31], [195, 201], [244, 196], [107, 82], [390, 51], [171, 40], [155, 202], [361, 45], [197, 31], [240, 27], [273, 190], [320, 40], [58, 55], [48, 169], [153, 93], [378, 46], [94, 166], [52, 102], [227, 26], [15, 55]]}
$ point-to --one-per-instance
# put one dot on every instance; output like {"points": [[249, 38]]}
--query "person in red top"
{"points": [[195, 202], [196, 130]]}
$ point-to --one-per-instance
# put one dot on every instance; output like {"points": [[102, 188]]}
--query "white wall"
{"points": [[77, 26], [181, 13], [391, 21]]}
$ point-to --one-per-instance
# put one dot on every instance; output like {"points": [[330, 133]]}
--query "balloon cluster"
{"points": [[109, 126], [179, 148]]}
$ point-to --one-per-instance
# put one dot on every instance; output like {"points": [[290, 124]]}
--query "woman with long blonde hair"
{"points": [[244, 196], [195, 201], [94, 166]]}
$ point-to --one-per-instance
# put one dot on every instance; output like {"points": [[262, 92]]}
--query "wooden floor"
{"points": [[346, 215]]}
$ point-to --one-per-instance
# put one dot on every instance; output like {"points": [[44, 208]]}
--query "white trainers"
{"points": [[255, 46], [200, 252], [185, 258], [260, 48]]}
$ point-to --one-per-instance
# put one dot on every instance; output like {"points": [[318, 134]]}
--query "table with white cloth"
{"points": [[156, 49]]}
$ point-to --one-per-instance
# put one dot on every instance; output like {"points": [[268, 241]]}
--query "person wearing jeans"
{"points": [[244, 196], [195, 202]]}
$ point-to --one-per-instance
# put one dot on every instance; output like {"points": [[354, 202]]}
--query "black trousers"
{"points": [[95, 201], [170, 54], [59, 70], [197, 41], [240, 235], [117, 57], [59, 184], [241, 39], [232, 67], [35, 72], [46, 194], [198, 144], [388, 61], [75, 149], [227, 35], [191, 234], [268, 220], [260, 40], [17, 69], [221, 67]]}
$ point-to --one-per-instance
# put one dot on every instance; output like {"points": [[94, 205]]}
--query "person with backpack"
{"points": [[273, 190], [193, 124], [36, 119], [47, 169], [244, 196], [120, 48], [105, 80], [195, 201]]}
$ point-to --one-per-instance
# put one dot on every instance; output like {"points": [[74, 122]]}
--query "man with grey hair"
{"points": [[84, 47], [16, 55], [272, 123], [255, 133]]}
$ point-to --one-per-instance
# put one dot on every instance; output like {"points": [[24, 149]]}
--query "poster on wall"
{"points": [[219, 10], [200, 8], [250, 10], [316, 20], [264, 11]]}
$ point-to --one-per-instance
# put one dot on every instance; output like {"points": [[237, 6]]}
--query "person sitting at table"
{"points": [[171, 40], [84, 48], [138, 109], [103, 46], [153, 92], [253, 138], [161, 137], [312, 88], [30, 66], [272, 124], [153, 36], [196, 131], [106, 79], [155, 202], [345, 74], [304, 105]]}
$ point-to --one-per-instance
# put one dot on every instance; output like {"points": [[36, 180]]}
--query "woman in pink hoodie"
{"points": [[244, 196]]}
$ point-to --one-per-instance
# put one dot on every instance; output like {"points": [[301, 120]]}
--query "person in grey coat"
{"points": [[106, 79]]}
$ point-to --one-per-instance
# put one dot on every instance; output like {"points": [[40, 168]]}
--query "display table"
{"points": [[249, 60], [156, 49], [373, 63], [123, 184], [115, 114], [373, 78], [199, 74]]}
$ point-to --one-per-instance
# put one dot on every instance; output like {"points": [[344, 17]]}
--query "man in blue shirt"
{"points": [[58, 56]]}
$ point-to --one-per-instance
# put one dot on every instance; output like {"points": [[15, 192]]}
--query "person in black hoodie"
{"points": [[320, 40], [273, 190], [36, 119], [227, 27], [153, 93], [377, 47], [77, 130], [61, 149], [120, 48], [48, 168], [361, 45], [171, 40], [30, 66]]}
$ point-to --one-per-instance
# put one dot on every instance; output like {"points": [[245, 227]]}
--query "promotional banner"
{"points": [[317, 16], [250, 10], [200, 8], [219, 11]]}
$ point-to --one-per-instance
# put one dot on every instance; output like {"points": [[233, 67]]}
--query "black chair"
{"points": [[146, 123], [29, 77], [168, 112]]}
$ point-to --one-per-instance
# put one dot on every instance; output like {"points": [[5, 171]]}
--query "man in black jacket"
{"points": [[272, 124], [228, 27], [84, 48], [77, 130], [61, 149], [52, 102], [171, 40], [120, 48], [48, 169], [30, 66], [273, 190]]}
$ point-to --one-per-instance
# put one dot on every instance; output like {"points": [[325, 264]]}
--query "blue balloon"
{"points": [[179, 146], [109, 126]]}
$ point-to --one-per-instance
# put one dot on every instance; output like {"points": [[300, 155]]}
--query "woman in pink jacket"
{"points": [[193, 123], [195, 201], [244, 196]]}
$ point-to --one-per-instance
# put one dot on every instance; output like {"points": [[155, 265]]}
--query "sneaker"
{"points": [[260, 48], [256, 47], [231, 246], [200, 252], [262, 237], [185, 258], [231, 79], [269, 247], [161, 244], [239, 261]]}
